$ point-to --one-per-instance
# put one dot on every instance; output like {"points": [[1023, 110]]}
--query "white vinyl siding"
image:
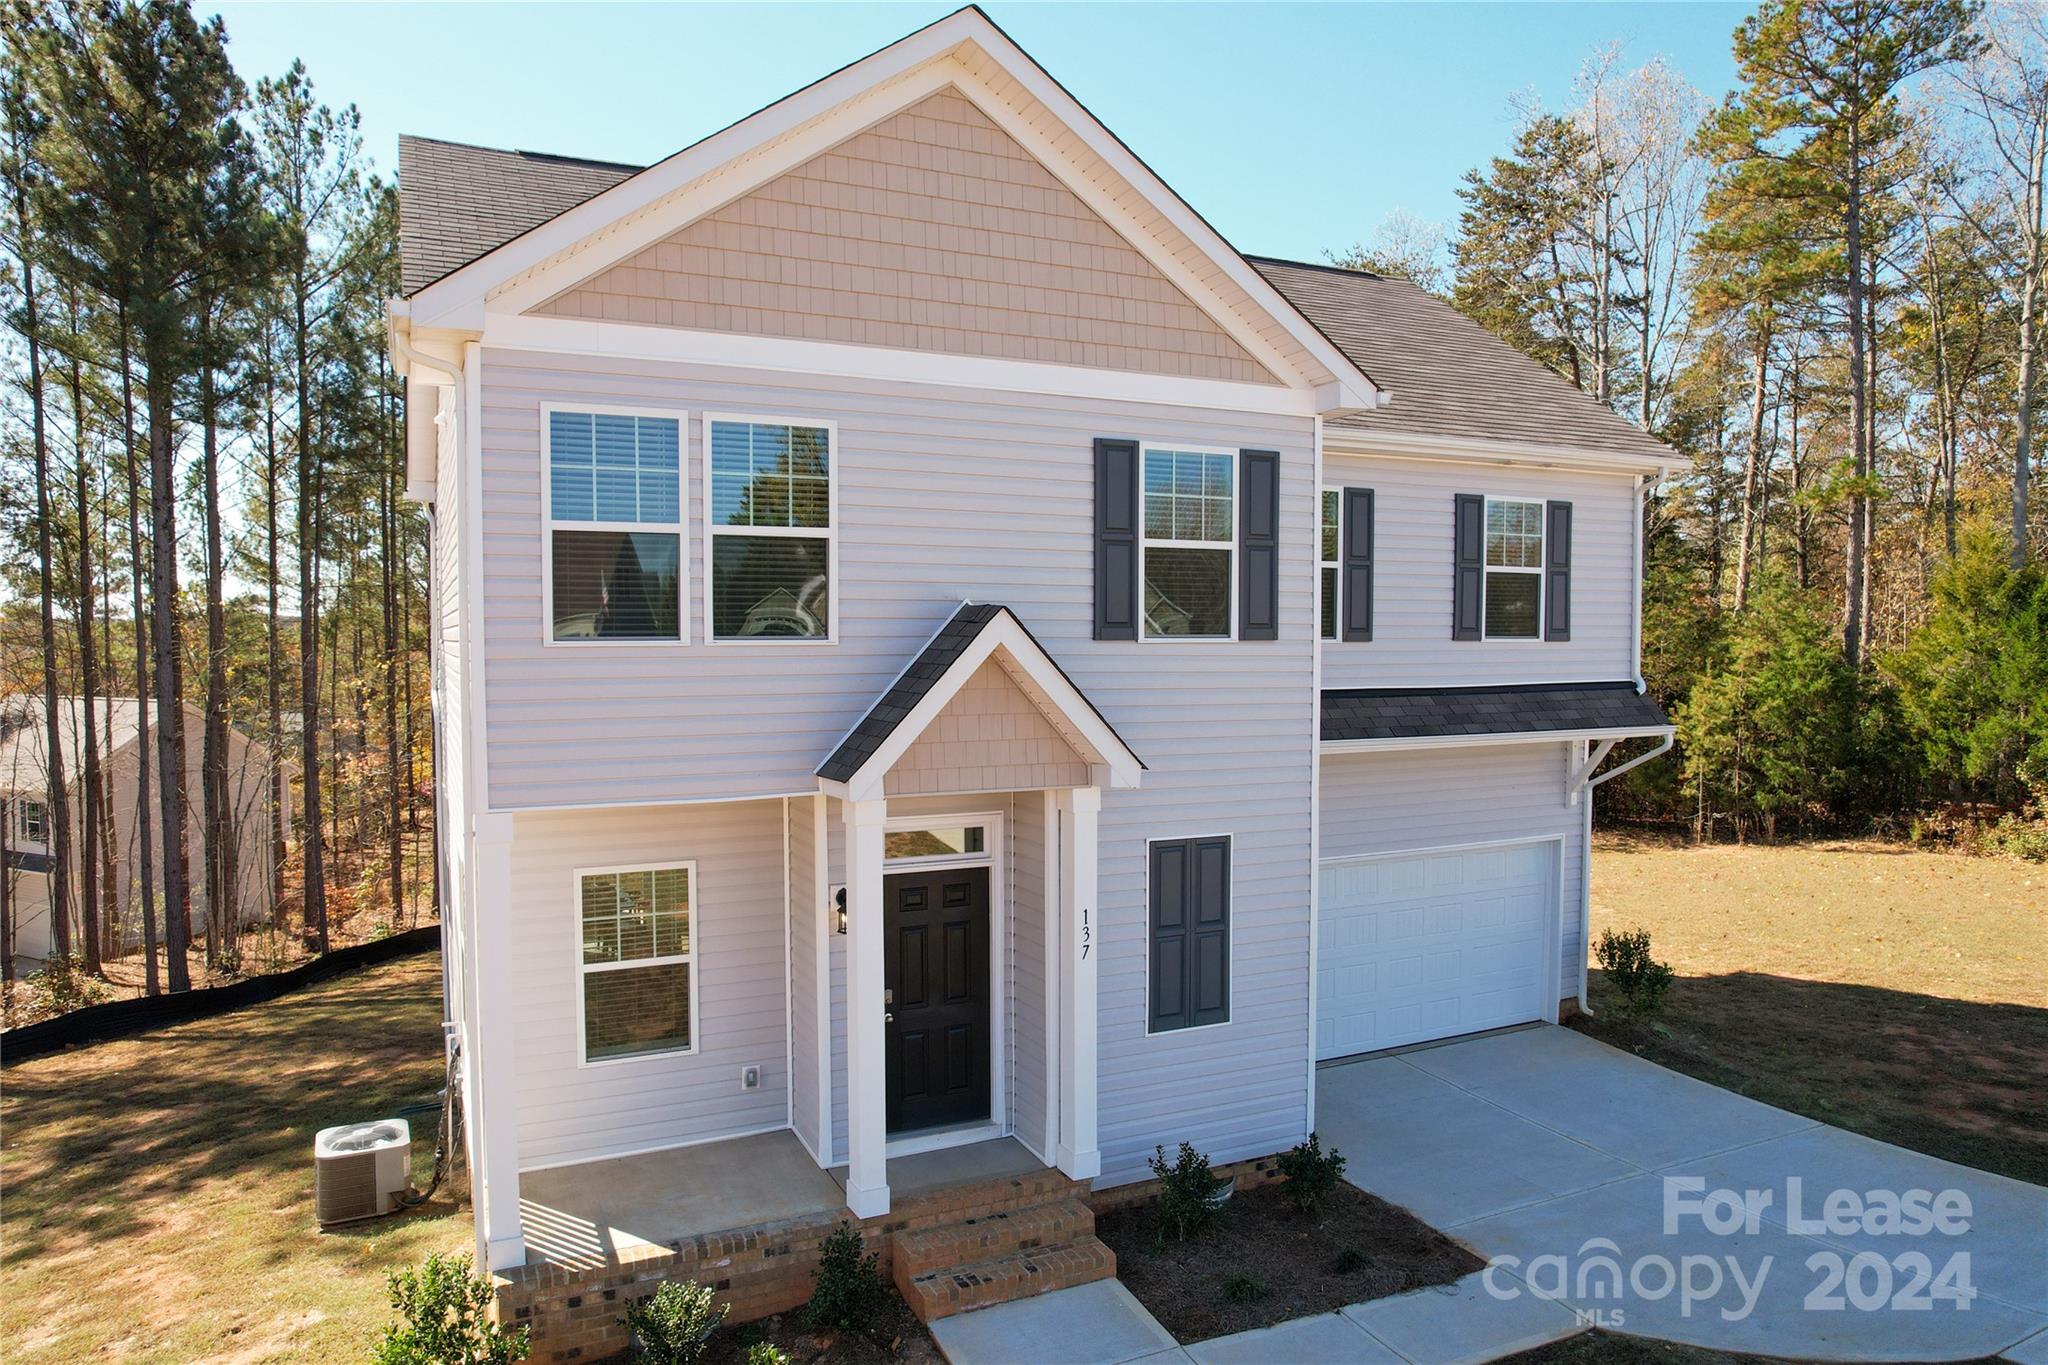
{"points": [[568, 1112], [1412, 550], [1428, 799]]}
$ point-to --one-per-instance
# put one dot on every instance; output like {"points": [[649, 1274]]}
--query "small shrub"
{"points": [[1189, 1194], [673, 1326], [849, 1292], [442, 1318], [2019, 836], [1243, 1289], [1642, 980], [1312, 1173], [60, 986], [1349, 1261], [766, 1353]]}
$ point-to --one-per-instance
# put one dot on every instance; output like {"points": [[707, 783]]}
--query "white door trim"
{"points": [[1553, 951], [995, 859]]}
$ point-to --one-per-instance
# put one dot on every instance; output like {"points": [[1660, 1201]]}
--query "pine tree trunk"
{"points": [[1752, 464], [273, 645], [312, 837], [89, 692], [221, 910], [139, 576], [2030, 336], [393, 831], [170, 667], [1855, 559]]}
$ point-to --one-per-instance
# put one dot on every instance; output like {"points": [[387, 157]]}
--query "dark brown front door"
{"points": [[935, 966]]}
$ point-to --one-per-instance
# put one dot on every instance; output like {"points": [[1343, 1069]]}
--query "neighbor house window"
{"points": [[1188, 545], [1329, 556], [35, 822], [771, 529], [638, 960], [615, 526], [1514, 569]]}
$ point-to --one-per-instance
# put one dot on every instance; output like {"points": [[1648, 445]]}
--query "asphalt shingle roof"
{"points": [[1420, 713], [1448, 376]]}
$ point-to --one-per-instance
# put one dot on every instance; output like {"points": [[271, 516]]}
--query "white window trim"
{"points": [[1230, 958], [830, 532], [1542, 548], [1146, 543], [584, 969], [1336, 633], [21, 821], [680, 528]]}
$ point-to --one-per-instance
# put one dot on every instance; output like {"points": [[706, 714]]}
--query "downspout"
{"points": [[1586, 857], [1635, 608]]}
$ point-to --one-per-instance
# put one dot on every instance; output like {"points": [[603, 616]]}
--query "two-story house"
{"points": [[947, 672]]}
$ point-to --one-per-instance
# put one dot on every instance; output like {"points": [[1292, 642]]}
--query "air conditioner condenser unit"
{"points": [[360, 1170]]}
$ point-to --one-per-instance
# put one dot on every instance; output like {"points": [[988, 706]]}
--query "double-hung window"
{"points": [[1514, 569], [614, 526], [771, 528], [1189, 544], [34, 823], [1330, 557], [637, 961]]}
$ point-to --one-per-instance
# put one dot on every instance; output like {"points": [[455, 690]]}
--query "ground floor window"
{"points": [[637, 964]]}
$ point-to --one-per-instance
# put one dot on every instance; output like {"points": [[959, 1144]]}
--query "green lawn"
{"points": [[1895, 991], [158, 1192]]}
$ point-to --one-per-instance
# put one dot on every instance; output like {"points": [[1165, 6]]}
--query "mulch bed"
{"points": [[1292, 1258], [897, 1336], [1614, 1348]]}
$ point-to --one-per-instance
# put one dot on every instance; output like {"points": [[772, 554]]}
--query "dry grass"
{"points": [[1895, 991], [157, 1200]]}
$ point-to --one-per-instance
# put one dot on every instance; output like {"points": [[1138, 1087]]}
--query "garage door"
{"points": [[1419, 946]]}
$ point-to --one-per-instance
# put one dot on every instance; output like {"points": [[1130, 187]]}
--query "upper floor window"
{"points": [[1189, 542], [771, 523], [34, 822], [614, 526], [1330, 557], [1514, 569]]}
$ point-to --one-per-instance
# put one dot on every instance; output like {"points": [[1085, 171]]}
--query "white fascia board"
{"points": [[1479, 450], [1361, 392], [790, 355], [1382, 746], [1007, 634]]}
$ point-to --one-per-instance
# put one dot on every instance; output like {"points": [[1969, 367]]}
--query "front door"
{"points": [[935, 968]]}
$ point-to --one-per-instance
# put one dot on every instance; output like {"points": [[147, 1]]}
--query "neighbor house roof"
{"points": [[1448, 375], [22, 734], [1388, 714]]}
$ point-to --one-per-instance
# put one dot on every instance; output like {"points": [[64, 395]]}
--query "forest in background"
{"points": [[1825, 289], [203, 500]]}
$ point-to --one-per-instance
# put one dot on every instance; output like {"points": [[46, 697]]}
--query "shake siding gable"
{"points": [[1412, 569], [933, 230]]}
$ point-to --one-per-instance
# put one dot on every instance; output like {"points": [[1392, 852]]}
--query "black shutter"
{"points": [[1468, 566], [1190, 913], [1258, 545], [1116, 539], [1557, 571], [1354, 549]]}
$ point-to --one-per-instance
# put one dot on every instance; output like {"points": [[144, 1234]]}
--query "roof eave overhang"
{"points": [[1394, 744], [1481, 450]]}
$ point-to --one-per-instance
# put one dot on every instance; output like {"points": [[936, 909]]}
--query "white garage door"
{"points": [[1420, 946]]}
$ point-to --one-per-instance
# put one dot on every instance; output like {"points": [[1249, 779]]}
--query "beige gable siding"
{"points": [[989, 737], [935, 231]]}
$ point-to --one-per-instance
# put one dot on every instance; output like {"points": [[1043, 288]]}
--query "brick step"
{"points": [[1017, 1275], [988, 1235], [979, 1196]]}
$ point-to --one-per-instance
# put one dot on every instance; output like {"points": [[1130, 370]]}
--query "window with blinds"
{"points": [[772, 546], [638, 961], [614, 526]]}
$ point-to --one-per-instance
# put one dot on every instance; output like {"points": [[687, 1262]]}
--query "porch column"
{"points": [[867, 1137], [1080, 949], [492, 1060]]}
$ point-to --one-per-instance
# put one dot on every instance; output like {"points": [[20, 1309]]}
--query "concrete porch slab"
{"points": [[1090, 1324], [586, 1215]]}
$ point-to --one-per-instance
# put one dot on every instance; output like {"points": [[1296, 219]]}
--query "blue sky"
{"points": [[1293, 128]]}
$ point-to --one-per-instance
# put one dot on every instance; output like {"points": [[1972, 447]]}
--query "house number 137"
{"points": [[1087, 934]]}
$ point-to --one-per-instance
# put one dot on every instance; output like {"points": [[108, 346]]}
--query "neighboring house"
{"points": [[932, 644], [24, 790]]}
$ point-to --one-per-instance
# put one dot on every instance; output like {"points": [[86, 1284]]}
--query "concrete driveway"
{"points": [[1560, 1158]]}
